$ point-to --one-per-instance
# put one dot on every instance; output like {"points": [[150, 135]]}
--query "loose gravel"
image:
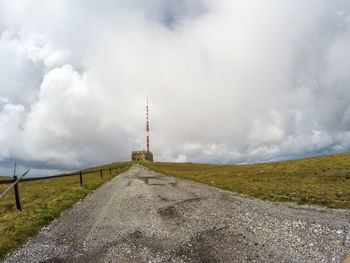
{"points": [[144, 216]]}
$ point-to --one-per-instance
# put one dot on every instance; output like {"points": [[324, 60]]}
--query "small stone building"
{"points": [[142, 156]]}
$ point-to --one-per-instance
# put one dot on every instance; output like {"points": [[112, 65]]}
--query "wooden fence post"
{"points": [[101, 174], [81, 179], [110, 170], [18, 203]]}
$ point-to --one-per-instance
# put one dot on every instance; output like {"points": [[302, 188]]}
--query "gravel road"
{"points": [[144, 216]]}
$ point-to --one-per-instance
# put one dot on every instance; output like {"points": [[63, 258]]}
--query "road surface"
{"points": [[144, 216]]}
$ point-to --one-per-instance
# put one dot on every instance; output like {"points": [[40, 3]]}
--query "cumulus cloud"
{"points": [[229, 81]]}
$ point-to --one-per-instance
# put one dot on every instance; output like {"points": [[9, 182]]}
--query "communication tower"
{"points": [[144, 155]]}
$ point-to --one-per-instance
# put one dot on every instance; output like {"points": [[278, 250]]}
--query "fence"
{"points": [[16, 180]]}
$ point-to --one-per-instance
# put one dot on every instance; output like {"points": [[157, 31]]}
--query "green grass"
{"points": [[43, 201], [322, 180]]}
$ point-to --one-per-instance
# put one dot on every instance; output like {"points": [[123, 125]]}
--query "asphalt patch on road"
{"points": [[168, 212], [53, 260], [147, 179], [174, 184], [191, 200], [164, 199], [136, 234], [210, 246]]}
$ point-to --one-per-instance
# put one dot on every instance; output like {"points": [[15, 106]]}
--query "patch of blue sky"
{"points": [[174, 11]]}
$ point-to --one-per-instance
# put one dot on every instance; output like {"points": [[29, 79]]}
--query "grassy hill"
{"points": [[322, 180], [42, 201]]}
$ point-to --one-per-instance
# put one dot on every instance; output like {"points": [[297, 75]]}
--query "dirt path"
{"points": [[143, 216]]}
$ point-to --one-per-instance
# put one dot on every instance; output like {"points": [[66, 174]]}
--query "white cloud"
{"points": [[229, 81], [11, 118]]}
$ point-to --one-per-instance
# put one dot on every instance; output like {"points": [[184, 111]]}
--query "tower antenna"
{"points": [[144, 155], [147, 125]]}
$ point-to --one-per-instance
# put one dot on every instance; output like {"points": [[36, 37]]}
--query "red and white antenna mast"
{"points": [[147, 125]]}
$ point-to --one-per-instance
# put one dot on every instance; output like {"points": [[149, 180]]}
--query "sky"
{"points": [[229, 81]]}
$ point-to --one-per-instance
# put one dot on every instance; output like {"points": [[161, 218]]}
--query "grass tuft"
{"points": [[48, 215]]}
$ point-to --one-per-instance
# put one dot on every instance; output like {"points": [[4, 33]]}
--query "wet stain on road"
{"points": [[168, 212]]}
